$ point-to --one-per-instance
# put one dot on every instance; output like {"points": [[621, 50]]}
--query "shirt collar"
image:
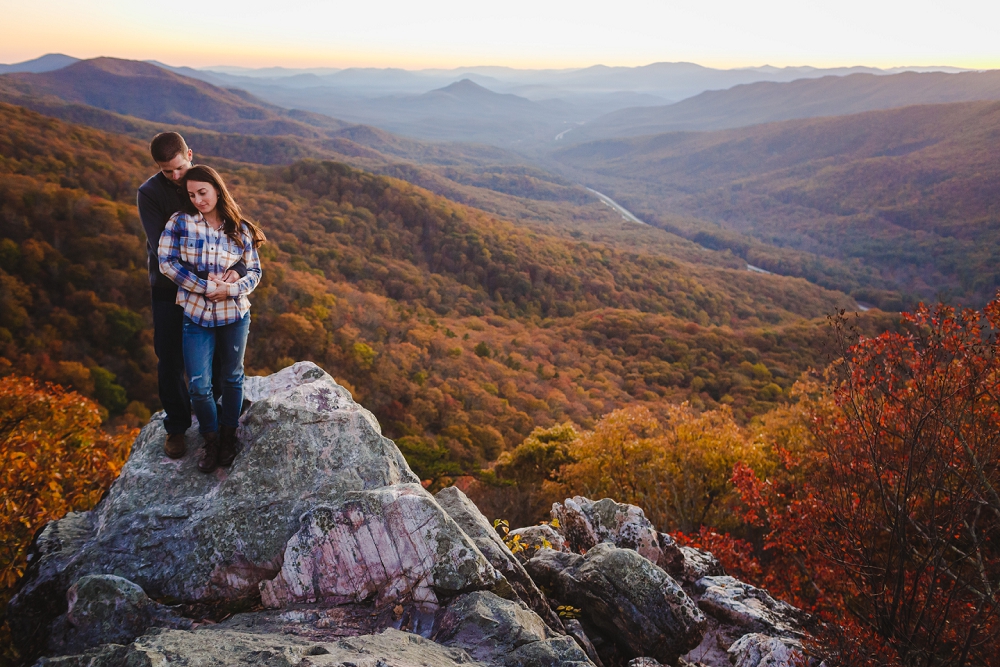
{"points": [[198, 217]]}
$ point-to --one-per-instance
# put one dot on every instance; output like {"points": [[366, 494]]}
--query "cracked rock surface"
{"points": [[319, 546]]}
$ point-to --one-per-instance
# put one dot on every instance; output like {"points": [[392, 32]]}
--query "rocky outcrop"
{"points": [[499, 631], [736, 614], [632, 606], [743, 605], [476, 526], [320, 547], [318, 509]]}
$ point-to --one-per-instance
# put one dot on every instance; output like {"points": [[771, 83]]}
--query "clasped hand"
{"points": [[218, 285]]}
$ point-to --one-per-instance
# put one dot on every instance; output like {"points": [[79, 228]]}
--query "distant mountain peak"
{"points": [[46, 63], [465, 87]]}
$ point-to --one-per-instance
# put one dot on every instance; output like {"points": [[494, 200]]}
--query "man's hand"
{"points": [[217, 292]]}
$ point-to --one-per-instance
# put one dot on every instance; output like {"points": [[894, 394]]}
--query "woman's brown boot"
{"points": [[210, 458], [227, 446]]}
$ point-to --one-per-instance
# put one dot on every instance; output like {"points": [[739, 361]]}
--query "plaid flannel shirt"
{"points": [[188, 246]]}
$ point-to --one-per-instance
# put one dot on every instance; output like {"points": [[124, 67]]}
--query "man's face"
{"points": [[176, 168]]}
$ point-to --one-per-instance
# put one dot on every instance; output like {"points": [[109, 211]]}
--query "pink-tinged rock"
{"points": [[390, 545]]}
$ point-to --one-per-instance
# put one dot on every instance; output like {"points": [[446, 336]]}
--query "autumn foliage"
{"points": [[54, 459], [890, 527]]}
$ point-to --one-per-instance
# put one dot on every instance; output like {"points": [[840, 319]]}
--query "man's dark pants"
{"points": [[168, 335]]}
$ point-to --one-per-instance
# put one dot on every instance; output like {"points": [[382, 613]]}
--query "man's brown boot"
{"points": [[175, 447], [210, 458], [227, 446]]}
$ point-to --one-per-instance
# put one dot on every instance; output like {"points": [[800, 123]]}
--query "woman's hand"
{"points": [[229, 276], [217, 292]]}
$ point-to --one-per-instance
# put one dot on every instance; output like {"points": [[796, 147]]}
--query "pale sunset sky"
{"points": [[518, 33]]}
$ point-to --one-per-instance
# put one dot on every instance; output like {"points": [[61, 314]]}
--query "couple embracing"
{"points": [[203, 262]]}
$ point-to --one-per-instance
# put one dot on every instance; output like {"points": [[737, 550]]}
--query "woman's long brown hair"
{"points": [[230, 212]]}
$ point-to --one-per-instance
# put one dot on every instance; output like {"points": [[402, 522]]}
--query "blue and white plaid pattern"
{"points": [[188, 242]]}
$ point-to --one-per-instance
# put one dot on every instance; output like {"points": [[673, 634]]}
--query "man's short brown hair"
{"points": [[166, 146]]}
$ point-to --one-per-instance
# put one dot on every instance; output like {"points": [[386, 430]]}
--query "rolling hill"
{"points": [[481, 176], [146, 91], [461, 111], [765, 102], [461, 331], [901, 199]]}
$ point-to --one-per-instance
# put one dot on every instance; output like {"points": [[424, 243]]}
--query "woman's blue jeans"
{"points": [[201, 344]]}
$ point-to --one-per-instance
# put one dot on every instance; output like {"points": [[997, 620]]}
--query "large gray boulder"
{"points": [[503, 632], [634, 607], [108, 609], [208, 542], [478, 527]]}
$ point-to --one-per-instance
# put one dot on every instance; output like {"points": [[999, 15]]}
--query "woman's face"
{"points": [[203, 196]]}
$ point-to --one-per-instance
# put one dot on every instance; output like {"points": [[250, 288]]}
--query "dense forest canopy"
{"points": [[461, 331]]}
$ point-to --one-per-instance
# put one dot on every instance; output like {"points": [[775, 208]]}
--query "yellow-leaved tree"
{"points": [[676, 465]]}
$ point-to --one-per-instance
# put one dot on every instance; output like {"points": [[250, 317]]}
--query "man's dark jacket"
{"points": [[158, 199]]}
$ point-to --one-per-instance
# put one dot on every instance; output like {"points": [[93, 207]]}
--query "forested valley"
{"points": [[751, 414]]}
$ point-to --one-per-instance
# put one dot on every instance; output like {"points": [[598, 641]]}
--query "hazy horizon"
{"points": [[223, 67], [447, 34]]}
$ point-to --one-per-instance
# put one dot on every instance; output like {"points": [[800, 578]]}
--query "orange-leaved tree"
{"points": [[54, 459]]}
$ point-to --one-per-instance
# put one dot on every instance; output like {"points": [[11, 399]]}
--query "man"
{"points": [[160, 197]]}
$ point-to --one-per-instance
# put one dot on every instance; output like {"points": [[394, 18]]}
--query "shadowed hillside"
{"points": [[900, 199]]}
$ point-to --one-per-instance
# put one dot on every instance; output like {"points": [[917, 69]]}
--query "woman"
{"points": [[196, 249]]}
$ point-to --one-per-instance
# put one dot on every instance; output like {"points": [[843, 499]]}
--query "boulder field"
{"points": [[319, 546]]}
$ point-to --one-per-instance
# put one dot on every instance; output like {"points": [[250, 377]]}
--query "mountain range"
{"points": [[777, 196], [765, 102], [907, 197]]}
